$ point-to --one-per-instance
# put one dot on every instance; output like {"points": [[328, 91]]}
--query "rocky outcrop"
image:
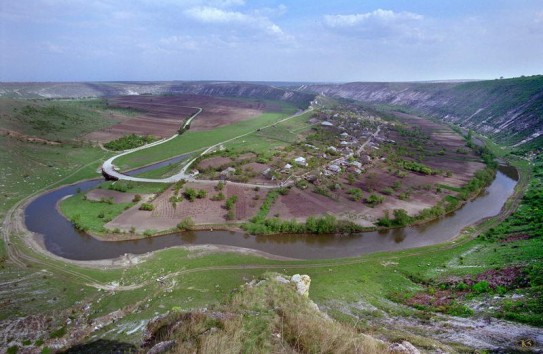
{"points": [[403, 348]]}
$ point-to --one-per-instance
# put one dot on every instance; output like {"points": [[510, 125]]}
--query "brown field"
{"points": [[162, 116], [202, 211]]}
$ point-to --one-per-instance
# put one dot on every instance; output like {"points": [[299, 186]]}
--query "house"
{"points": [[287, 167], [300, 161], [344, 135], [327, 124], [331, 149], [334, 168]]}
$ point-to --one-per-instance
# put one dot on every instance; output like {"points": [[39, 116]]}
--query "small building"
{"points": [[287, 167], [344, 135], [327, 124], [300, 161], [334, 168], [331, 149]]}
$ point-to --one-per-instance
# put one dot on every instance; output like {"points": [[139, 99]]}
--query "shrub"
{"points": [[217, 197], [356, 194], [146, 207], [374, 199], [190, 194], [230, 202], [186, 224], [136, 198], [201, 194], [220, 186], [481, 287]]}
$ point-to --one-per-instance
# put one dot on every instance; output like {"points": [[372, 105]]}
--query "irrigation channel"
{"points": [[58, 235]]}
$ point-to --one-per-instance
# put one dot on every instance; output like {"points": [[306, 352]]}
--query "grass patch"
{"points": [[89, 215]]}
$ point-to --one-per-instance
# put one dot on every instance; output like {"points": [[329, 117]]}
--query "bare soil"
{"points": [[162, 116], [202, 211]]}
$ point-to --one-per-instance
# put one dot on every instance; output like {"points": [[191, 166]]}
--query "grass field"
{"points": [[91, 215], [27, 167]]}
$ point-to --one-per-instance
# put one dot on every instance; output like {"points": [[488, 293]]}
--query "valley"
{"points": [[302, 181]]}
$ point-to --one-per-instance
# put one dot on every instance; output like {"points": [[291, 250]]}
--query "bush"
{"points": [[217, 197], [481, 287], [129, 142], [230, 202], [456, 309], [356, 194], [190, 194], [146, 207], [374, 199], [136, 198], [201, 194], [186, 224]]}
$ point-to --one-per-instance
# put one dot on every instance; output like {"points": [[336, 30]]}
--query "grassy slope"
{"points": [[58, 120]]}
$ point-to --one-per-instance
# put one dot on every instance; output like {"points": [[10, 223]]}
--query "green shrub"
{"points": [[186, 224], [481, 287], [146, 207]]}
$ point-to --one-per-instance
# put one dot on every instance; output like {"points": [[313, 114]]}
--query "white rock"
{"points": [[302, 283]]}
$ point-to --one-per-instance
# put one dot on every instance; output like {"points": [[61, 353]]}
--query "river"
{"points": [[58, 235]]}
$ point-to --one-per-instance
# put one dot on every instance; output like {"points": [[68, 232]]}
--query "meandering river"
{"points": [[58, 235]]}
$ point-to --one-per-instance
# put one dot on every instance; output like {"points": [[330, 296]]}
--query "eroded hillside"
{"points": [[508, 110]]}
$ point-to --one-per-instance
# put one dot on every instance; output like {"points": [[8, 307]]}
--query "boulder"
{"points": [[302, 283]]}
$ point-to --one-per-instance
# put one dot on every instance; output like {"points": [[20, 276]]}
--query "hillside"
{"points": [[108, 89], [508, 110]]}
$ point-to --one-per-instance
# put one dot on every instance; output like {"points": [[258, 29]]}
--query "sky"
{"points": [[268, 40]]}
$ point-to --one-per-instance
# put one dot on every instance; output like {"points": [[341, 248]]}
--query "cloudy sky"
{"points": [[268, 40]]}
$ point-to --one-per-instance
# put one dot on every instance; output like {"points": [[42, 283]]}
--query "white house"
{"points": [[327, 124], [300, 161]]}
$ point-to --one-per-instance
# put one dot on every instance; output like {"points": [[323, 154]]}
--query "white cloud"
{"points": [[213, 15], [381, 24], [377, 16]]}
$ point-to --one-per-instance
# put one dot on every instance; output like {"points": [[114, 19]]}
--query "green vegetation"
{"points": [[186, 224], [58, 120], [87, 215], [147, 207], [128, 142]]}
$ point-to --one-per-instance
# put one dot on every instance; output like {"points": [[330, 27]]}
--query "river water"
{"points": [[58, 235]]}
